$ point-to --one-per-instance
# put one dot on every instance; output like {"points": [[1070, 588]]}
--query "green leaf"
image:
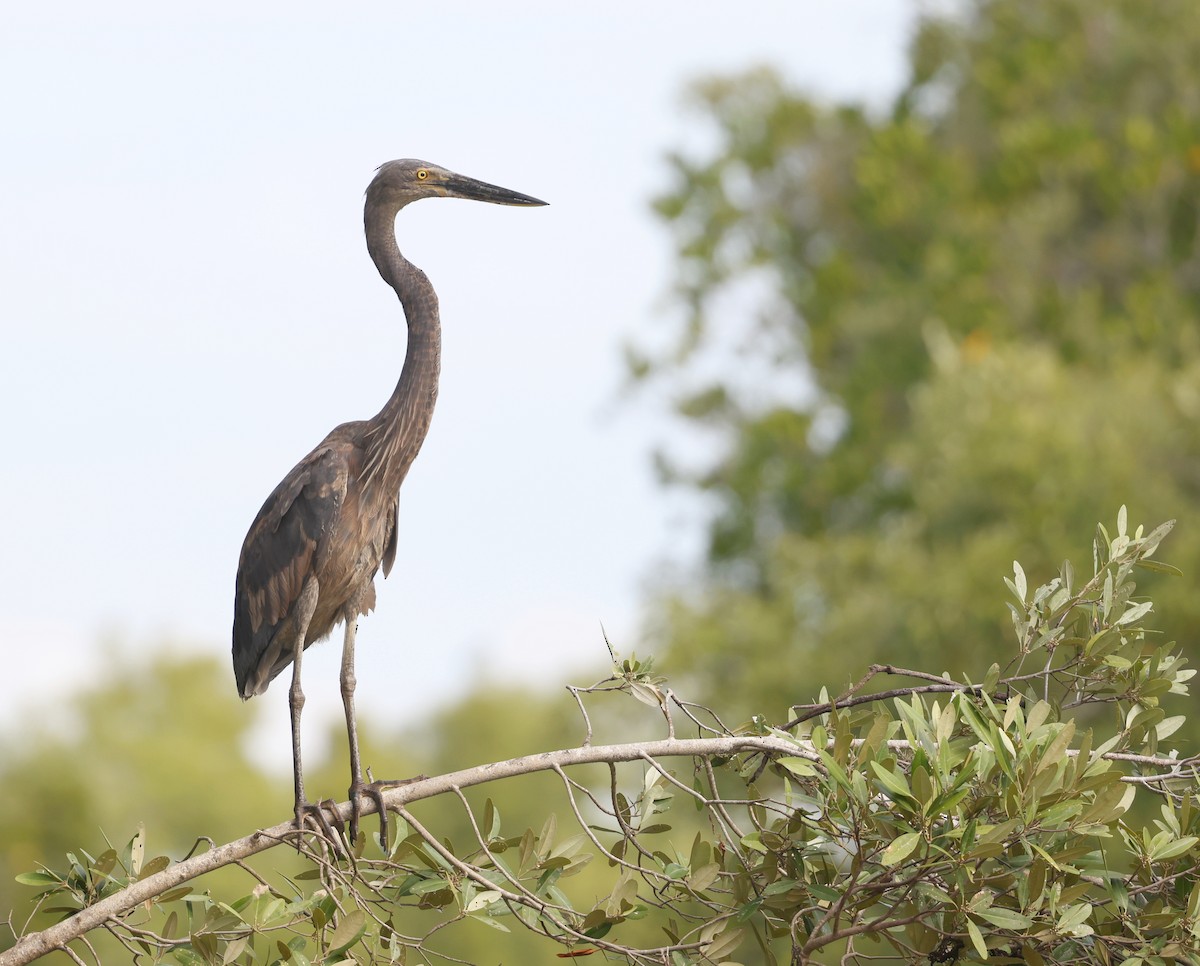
{"points": [[483, 899], [703, 877], [621, 806], [137, 849], [824, 892], [1056, 751], [625, 894], [104, 863], [748, 911], [780, 887], [593, 919], [900, 848], [800, 767], [1073, 917], [647, 694], [891, 782], [1172, 849], [1005, 918], [726, 942], [546, 839], [977, 939], [527, 857], [1111, 802], [154, 866], [235, 948], [38, 879], [946, 802], [836, 771], [491, 820], [1156, 536], [1158, 567], [427, 886], [205, 944], [1168, 726], [1021, 585], [1059, 814], [1136, 612]]}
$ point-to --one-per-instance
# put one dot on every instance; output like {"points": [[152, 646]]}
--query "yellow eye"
{"points": [[422, 174]]}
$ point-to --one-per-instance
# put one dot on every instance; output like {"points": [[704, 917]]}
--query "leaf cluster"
{"points": [[920, 339], [942, 820]]}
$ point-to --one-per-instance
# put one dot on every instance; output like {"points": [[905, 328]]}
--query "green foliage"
{"points": [[926, 339], [973, 332], [149, 743], [162, 742], [944, 820]]}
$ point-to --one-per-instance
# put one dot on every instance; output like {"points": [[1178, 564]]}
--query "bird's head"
{"points": [[397, 183]]}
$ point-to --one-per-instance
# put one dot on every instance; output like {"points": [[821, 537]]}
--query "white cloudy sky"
{"points": [[187, 307]]}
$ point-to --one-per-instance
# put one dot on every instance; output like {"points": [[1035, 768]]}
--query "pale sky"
{"points": [[188, 307]]}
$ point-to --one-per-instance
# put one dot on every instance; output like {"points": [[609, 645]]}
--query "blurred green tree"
{"points": [[162, 742], [149, 742], [159, 741], [945, 336], [929, 340], [944, 821]]}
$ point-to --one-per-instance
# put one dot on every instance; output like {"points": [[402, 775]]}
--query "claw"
{"points": [[374, 791], [330, 806], [316, 814]]}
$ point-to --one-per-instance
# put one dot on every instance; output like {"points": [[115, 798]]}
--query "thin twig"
{"points": [[815, 710], [74, 955], [587, 721], [532, 901], [686, 708], [734, 841], [30, 946]]}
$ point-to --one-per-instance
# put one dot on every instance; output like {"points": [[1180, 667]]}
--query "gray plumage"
{"points": [[310, 557]]}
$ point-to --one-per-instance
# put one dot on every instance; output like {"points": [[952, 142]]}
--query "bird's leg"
{"points": [[306, 605], [348, 683], [373, 789], [296, 704]]}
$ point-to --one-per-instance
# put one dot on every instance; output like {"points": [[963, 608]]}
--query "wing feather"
{"points": [[277, 558], [389, 548]]}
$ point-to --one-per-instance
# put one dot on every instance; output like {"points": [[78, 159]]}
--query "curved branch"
{"points": [[29, 947]]}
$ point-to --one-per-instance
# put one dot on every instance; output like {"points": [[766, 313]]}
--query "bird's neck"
{"points": [[395, 434]]}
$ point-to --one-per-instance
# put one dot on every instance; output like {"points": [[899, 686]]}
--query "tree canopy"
{"points": [[941, 820], [926, 340], [921, 342]]}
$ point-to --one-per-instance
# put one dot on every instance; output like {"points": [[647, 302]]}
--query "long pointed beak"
{"points": [[460, 186]]}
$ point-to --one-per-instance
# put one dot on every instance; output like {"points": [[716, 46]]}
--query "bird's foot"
{"points": [[318, 816], [374, 791]]}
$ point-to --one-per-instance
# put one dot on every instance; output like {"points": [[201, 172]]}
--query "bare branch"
{"points": [[33, 945], [29, 947], [587, 721], [816, 710]]}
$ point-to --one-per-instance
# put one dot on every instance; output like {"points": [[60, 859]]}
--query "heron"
{"points": [[311, 555]]}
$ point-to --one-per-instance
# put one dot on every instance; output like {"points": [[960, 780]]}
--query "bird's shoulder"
{"points": [[304, 503], [283, 543]]}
